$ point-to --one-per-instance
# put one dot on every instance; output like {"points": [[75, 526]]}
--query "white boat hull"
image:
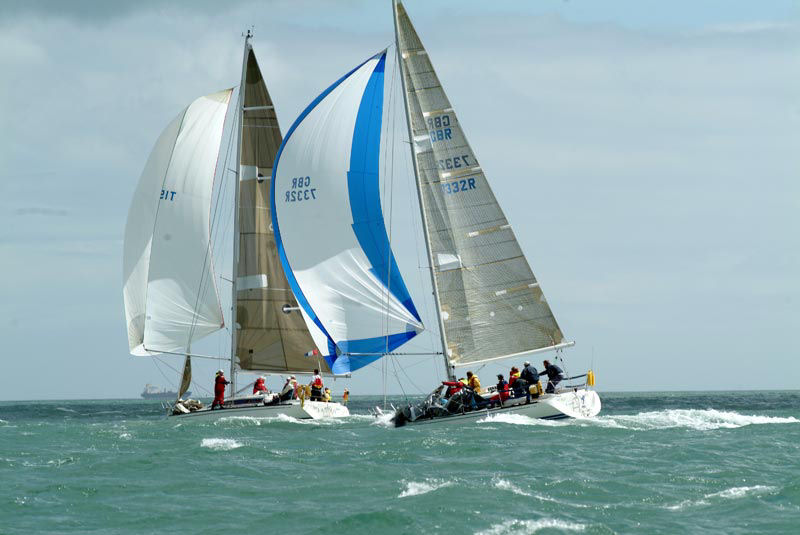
{"points": [[295, 409], [580, 403]]}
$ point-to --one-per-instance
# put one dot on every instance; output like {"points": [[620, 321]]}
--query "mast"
{"points": [[234, 290], [449, 369]]}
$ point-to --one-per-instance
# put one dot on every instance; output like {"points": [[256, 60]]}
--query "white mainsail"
{"points": [[329, 226], [169, 289], [491, 305]]}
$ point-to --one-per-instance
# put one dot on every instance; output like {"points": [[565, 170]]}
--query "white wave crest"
{"points": [[727, 494], [220, 444], [125, 436], [518, 419], [278, 418], [504, 484], [699, 419], [513, 527], [414, 488], [384, 420], [741, 492]]}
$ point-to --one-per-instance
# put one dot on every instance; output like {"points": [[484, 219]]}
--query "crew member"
{"points": [[473, 382], [327, 396], [452, 388], [502, 388], [554, 376], [219, 390], [288, 391], [316, 386], [513, 375], [527, 378], [259, 387], [345, 397]]}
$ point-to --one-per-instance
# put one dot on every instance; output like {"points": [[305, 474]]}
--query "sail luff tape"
{"points": [[470, 171]]}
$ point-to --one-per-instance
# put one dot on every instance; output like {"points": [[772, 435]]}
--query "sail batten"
{"points": [[491, 305]]}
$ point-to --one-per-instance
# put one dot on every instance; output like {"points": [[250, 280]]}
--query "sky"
{"points": [[644, 152]]}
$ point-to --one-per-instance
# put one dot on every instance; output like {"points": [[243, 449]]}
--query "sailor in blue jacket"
{"points": [[554, 376], [530, 377]]}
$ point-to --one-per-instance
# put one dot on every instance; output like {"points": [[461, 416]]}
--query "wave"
{"points": [[519, 419], [414, 488], [741, 492], [698, 419], [278, 418], [727, 494], [384, 420], [512, 527], [220, 444], [504, 484]]}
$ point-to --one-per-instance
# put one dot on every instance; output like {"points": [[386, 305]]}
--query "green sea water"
{"points": [[650, 463]]}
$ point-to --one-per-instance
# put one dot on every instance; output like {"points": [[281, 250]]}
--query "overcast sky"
{"points": [[646, 154]]}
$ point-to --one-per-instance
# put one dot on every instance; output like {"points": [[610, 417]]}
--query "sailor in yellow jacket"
{"points": [[473, 382]]}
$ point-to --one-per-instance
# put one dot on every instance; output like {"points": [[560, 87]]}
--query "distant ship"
{"points": [[153, 392]]}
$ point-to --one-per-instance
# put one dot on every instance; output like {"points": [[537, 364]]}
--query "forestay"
{"points": [[491, 303], [272, 335], [169, 289], [328, 222]]}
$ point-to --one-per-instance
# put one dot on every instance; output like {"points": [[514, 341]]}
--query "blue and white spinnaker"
{"points": [[329, 226]]}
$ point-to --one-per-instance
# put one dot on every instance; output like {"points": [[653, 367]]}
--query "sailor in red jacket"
{"points": [[259, 387], [219, 389]]}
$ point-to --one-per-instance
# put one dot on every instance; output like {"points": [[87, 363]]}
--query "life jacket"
{"points": [[317, 381], [502, 389], [452, 387], [259, 386], [474, 383]]}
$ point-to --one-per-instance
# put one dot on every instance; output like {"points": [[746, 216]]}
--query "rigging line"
{"points": [[169, 381], [206, 272], [399, 382], [385, 200], [158, 204], [220, 214]]}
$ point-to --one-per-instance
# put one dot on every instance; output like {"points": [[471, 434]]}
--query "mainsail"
{"points": [[491, 305], [329, 226], [272, 334], [169, 289]]}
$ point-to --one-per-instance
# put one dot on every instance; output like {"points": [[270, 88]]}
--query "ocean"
{"points": [[717, 462]]}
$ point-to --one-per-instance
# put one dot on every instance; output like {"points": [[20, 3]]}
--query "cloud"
{"points": [[650, 174]]}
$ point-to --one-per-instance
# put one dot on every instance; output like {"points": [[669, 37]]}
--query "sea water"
{"points": [[650, 463]]}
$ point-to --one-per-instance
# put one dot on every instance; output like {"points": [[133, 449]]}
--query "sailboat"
{"points": [[334, 247], [170, 290]]}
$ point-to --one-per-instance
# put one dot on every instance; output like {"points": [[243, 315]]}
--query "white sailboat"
{"points": [[170, 291], [333, 244]]}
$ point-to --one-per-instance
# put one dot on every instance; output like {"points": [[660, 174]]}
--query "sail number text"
{"points": [[456, 162], [167, 195], [439, 128], [457, 186], [301, 190]]}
